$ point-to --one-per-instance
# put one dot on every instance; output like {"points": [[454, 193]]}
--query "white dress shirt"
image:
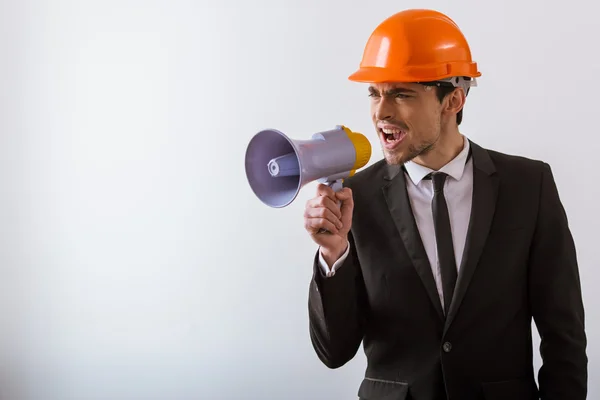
{"points": [[458, 191]]}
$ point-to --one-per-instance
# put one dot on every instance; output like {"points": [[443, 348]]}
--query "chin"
{"points": [[397, 156], [394, 158]]}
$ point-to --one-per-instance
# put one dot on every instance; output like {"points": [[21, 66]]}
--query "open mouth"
{"points": [[392, 135]]}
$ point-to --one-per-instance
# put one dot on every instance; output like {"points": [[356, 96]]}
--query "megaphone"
{"points": [[277, 167]]}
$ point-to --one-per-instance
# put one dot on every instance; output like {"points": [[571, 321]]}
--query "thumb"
{"points": [[344, 194], [347, 206]]}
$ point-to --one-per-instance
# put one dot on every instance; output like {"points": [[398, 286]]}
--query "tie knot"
{"points": [[438, 179]]}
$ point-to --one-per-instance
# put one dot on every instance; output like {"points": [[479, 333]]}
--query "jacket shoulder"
{"points": [[507, 163], [367, 175]]}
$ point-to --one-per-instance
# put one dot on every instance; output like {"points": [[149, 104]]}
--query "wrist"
{"points": [[331, 255]]}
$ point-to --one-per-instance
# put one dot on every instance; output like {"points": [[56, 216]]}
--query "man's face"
{"points": [[408, 119]]}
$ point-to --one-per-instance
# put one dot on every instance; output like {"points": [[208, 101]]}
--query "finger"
{"points": [[313, 225], [324, 190], [324, 213], [325, 202]]}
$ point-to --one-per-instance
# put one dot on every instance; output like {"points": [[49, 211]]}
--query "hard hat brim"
{"points": [[434, 73]]}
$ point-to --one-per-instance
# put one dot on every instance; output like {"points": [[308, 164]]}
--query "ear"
{"points": [[455, 101]]}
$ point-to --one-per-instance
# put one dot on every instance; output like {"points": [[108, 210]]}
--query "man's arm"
{"points": [[337, 309], [556, 300]]}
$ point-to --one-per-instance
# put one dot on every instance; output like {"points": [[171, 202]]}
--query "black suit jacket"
{"points": [[520, 263]]}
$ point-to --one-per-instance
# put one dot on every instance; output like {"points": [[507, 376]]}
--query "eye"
{"points": [[402, 96]]}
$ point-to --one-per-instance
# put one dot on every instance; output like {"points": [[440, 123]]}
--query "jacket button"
{"points": [[447, 347]]}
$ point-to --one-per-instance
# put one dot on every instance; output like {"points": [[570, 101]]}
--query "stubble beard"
{"points": [[393, 158]]}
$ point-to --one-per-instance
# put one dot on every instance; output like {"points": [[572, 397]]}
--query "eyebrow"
{"points": [[393, 91]]}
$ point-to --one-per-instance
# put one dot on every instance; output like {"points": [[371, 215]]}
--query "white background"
{"points": [[135, 262]]}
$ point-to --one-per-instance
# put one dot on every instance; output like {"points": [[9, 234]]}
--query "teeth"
{"points": [[391, 131]]}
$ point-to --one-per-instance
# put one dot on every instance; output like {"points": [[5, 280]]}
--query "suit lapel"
{"points": [[485, 191], [398, 203]]}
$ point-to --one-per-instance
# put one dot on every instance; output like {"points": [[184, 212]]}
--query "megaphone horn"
{"points": [[277, 167]]}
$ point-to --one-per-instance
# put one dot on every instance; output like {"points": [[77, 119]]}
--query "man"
{"points": [[441, 254]]}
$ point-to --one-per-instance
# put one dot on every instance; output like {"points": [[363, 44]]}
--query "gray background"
{"points": [[135, 263]]}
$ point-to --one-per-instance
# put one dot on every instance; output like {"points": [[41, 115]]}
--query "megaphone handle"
{"points": [[336, 185]]}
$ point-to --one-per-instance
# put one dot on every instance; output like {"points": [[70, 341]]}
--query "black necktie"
{"points": [[443, 235]]}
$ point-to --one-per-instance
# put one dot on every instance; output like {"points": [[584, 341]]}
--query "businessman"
{"points": [[443, 253]]}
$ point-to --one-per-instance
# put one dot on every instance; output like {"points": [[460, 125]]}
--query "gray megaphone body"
{"points": [[277, 167]]}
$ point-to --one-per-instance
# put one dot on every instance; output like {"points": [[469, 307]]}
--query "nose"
{"points": [[384, 110]]}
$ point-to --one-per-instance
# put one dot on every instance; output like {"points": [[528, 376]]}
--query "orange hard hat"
{"points": [[416, 46]]}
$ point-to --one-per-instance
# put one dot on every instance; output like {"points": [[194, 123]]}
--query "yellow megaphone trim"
{"points": [[362, 146]]}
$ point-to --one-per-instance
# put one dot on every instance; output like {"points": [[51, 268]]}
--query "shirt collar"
{"points": [[455, 168]]}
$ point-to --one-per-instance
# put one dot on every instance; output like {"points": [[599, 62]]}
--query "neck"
{"points": [[448, 146]]}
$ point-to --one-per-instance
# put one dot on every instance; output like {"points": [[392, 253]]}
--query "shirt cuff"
{"points": [[331, 272]]}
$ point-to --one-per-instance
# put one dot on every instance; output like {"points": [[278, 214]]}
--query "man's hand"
{"points": [[323, 212]]}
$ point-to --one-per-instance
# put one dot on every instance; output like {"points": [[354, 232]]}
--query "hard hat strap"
{"points": [[465, 83]]}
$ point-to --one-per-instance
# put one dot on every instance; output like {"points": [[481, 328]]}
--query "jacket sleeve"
{"points": [[556, 300], [337, 310]]}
